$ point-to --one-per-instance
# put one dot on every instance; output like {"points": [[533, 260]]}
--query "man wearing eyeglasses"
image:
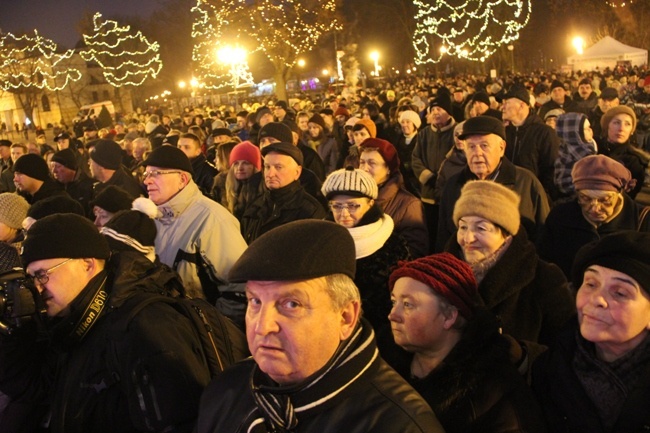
{"points": [[197, 237], [108, 363]]}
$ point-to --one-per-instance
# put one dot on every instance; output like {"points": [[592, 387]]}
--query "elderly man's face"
{"points": [[293, 328], [280, 170], [162, 184], [65, 280], [484, 152], [62, 173], [558, 94]]}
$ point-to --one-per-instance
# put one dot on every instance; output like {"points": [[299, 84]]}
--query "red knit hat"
{"points": [[246, 151], [385, 149], [447, 276]]}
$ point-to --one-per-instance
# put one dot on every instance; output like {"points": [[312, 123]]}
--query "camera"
{"points": [[19, 300]]}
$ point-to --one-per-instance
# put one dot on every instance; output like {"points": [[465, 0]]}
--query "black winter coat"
{"points": [[534, 145], [631, 157], [203, 175], [476, 388], [566, 231], [530, 297], [147, 378], [566, 405], [278, 207]]}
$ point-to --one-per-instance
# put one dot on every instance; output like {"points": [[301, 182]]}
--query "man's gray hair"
{"points": [[342, 290]]}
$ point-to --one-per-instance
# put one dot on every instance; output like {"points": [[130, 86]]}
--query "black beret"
{"points": [[33, 166], [626, 251], [221, 131], [66, 236], [113, 199], [107, 154], [276, 130], [285, 149], [299, 250], [482, 125], [66, 157], [518, 91], [168, 157]]}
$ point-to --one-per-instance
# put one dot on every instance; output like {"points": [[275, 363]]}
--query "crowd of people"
{"points": [[436, 254]]}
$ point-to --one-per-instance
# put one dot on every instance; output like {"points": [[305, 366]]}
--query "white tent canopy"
{"points": [[606, 53]]}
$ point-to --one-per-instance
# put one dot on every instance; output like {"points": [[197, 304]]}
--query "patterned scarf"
{"points": [[280, 405]]}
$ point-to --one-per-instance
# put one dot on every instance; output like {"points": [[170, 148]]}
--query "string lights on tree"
{"points": [[472, 30], [281, 29], [32, 65], [216, 63], [127, 58], [619, 3]]}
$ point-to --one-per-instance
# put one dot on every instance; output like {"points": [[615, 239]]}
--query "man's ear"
{"points": [[349, 318]]}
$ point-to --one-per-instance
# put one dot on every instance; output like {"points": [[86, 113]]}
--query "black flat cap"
{"points": [[168, 157], [299, 250], [482, 125], [285, 149]]}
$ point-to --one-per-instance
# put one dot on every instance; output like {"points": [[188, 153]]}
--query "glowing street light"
{"points": [[182, 84], [579, 44], [375, 57], [194, 82], [443, 49], [235, 57], [326, 72], [301, 63]]}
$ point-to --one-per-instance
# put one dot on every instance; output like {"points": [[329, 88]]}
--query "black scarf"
{"points": [[280, 405]]}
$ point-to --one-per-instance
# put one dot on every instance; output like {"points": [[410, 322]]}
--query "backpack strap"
{"points": [[642, 217], [209, 281]]}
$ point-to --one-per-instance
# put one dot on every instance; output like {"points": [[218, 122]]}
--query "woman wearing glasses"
{"points": [[602, 207], [352, 196]]}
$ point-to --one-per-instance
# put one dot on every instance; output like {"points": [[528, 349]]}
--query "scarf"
{"points": [[480, 269], [608, 384], [371, 237], [281, 405]]}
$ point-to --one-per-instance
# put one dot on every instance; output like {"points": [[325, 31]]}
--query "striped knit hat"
{"points": [[133, 229], [447, 276], [350, 181]]}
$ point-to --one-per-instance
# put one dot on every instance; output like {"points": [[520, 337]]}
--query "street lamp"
{"points": [[301, 63], [511, 48], [579, 44], [375, 57]]}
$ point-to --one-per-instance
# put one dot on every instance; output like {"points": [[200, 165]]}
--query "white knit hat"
{"points": [[13, 210], [412, 116], [350, 181]]}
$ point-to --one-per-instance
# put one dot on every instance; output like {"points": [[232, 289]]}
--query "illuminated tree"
{"points": [[467, 29], [213, 69], [127, 58], [31, 65], [281, 29]]}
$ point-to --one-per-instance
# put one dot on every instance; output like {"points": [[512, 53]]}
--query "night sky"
{"points": [[57, 19]]}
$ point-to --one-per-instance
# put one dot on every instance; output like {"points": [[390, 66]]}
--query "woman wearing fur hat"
{"points": [[530, 297], [602, 207], [618, 125], [379, 158], [596, 377], [454, 354], [352, 195]]}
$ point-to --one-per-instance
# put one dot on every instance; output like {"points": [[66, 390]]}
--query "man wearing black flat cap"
{"points": [[315, 365], [531, 143], [608, 99], [285, 199], [485, 146], [197, 237]]}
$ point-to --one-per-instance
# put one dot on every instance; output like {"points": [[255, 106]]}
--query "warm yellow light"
{"points": [[443, 49], [579, 44], [301, 63], [231, 55], [374, 55], [182, 84], [326, 72], [194, 82]]}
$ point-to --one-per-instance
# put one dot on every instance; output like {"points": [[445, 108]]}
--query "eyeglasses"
{"points": [[154, 174], [350, 207], [43, 275], [590, 201]]}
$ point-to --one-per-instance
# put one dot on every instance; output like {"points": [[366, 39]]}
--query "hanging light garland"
{"points": [[126, 59], [472, 30], [34, 62], [619, 3]]}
